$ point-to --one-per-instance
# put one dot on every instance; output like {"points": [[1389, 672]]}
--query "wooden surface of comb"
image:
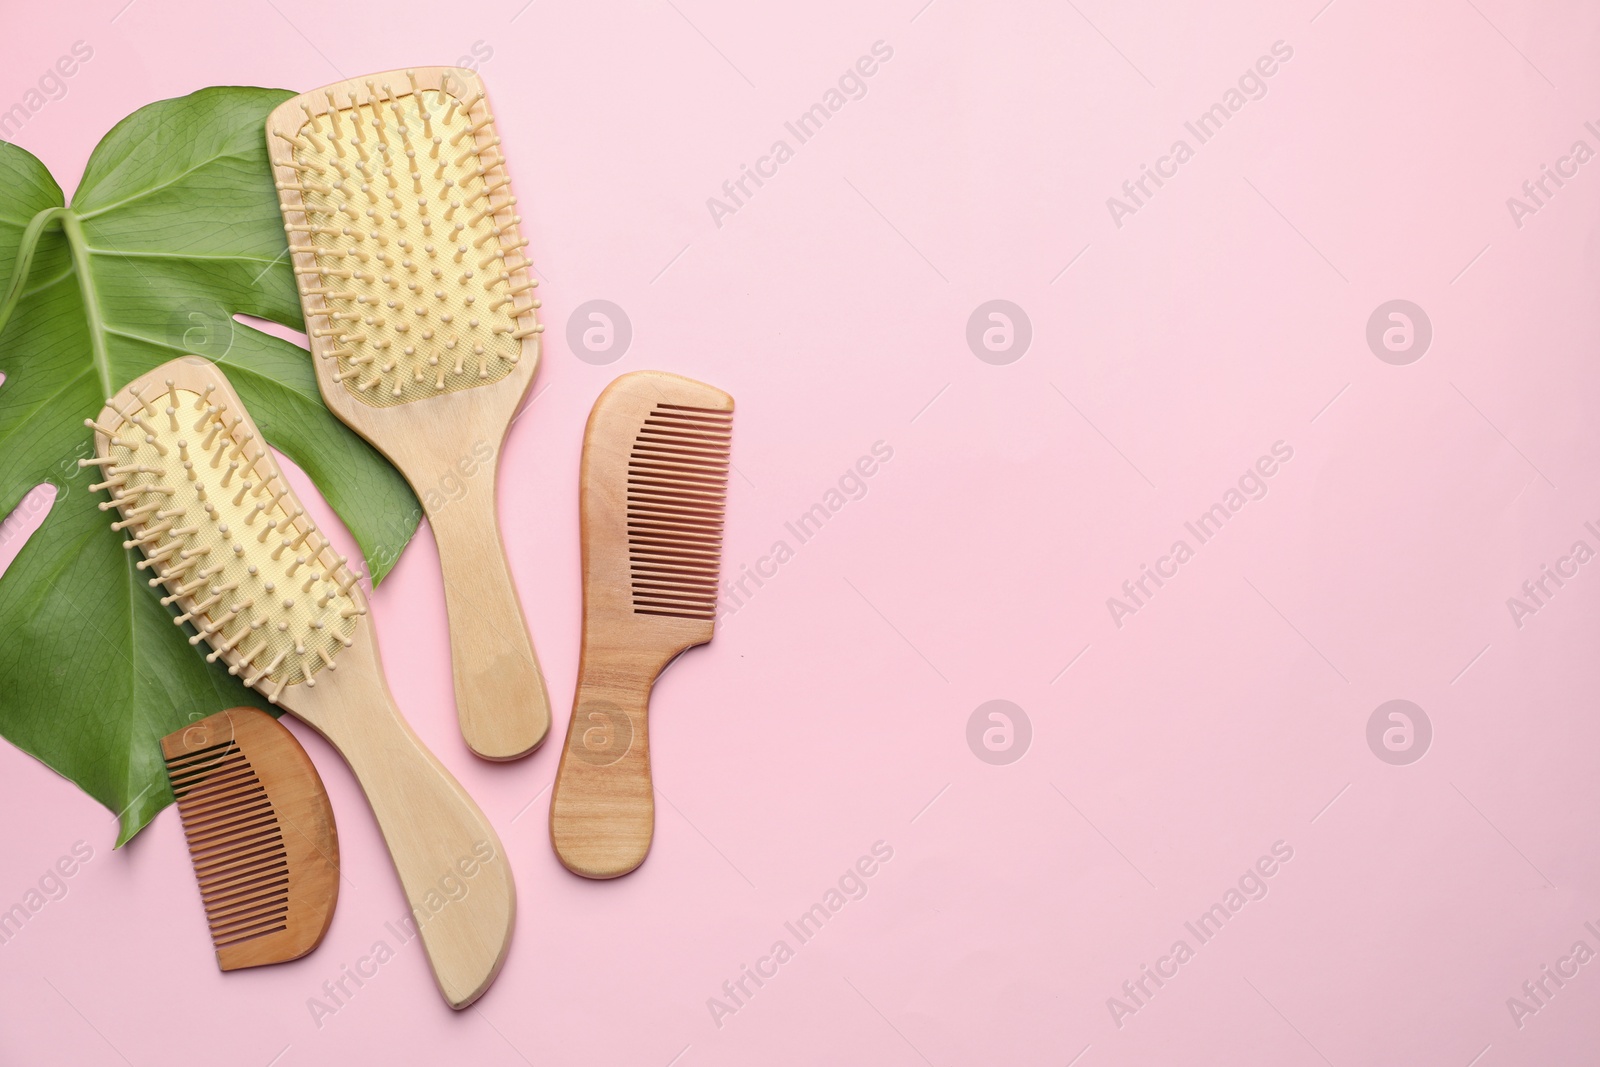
{"points": [[653, 489], [420, 305], [261, 835]]}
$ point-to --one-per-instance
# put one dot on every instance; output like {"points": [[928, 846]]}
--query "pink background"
{"points": [[830, 713]]}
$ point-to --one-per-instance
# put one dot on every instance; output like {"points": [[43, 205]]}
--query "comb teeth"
{"points": [[410, 261], [677, 491], [218, 526], [235, 841]]}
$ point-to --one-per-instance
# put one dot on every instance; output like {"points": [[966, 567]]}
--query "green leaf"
{"points": [[173, 230]]}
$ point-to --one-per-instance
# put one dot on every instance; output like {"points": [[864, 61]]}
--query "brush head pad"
{"points": [[261, 835], [201, 498], [405, 237], [655, 483]]}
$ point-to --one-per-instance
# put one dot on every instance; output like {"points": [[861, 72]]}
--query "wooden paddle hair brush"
{"points": [[203, 503], [421, 306]]}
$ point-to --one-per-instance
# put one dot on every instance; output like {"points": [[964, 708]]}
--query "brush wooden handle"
{"points": [[324, 664], [501, 700], [602, 808], [450, 861]]}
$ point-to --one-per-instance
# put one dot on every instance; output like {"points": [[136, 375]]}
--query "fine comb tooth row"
{"points": [[235, 842], [202, 498], [677, 488], [411, 265]]}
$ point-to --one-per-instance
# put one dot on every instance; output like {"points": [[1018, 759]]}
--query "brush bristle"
{"points": [[677, 492], [419, 285], [203, 500], [235, 841]]}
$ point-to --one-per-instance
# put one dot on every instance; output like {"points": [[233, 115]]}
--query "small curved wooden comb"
{"points": [[261, 835], [652, 491]]}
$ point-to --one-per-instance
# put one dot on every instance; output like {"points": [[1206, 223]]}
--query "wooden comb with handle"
{"points": [[652, 490], [204, 502], [260, 832], [419, 302]]}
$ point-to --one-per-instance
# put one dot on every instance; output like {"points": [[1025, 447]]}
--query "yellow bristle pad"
{"points": [[219, 527], [407, 245]]}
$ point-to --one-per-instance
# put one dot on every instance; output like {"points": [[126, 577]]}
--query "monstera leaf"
{"points": [[173, 230]]}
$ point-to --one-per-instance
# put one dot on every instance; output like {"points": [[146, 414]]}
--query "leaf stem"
{"points": [[79, 247], [24, 261]]}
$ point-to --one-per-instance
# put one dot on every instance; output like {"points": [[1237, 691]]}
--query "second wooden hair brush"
{"points": [[202, 500]]}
